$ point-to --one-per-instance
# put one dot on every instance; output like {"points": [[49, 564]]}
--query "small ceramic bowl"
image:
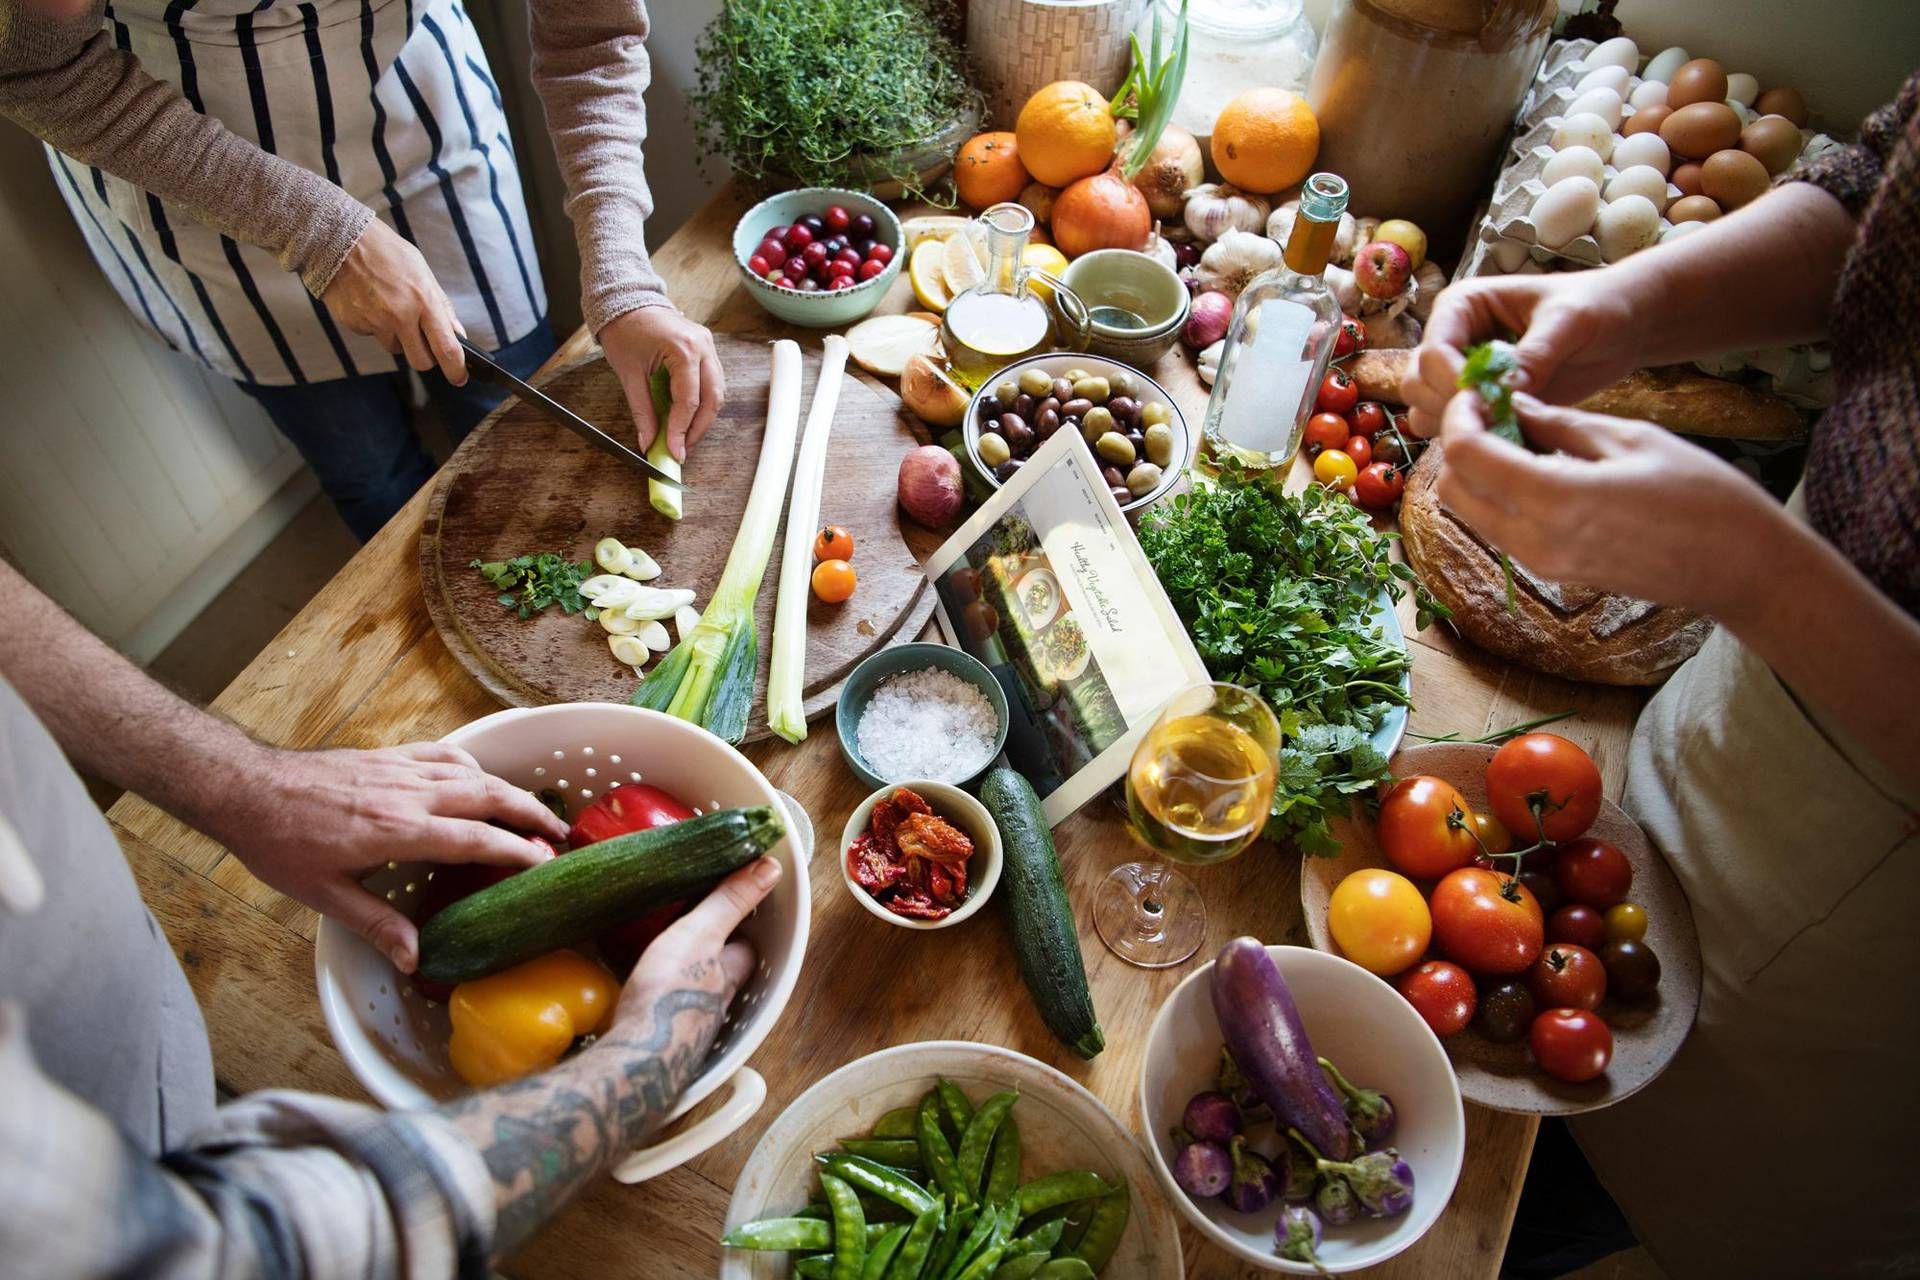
{"points": [[964, 812], [1137, 283], [891, 661], [821, 310]]}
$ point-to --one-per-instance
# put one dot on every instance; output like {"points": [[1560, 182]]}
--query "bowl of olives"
{"points": [[1124, 418]]}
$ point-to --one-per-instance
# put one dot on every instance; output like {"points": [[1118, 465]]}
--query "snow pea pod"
{"points": [[990, 1225], [912, 1258], [959, 1224], [901, 1153], [901, 1122], [958, 1110], [849, 1229], [1023, 1267], [987, 1261], [818, 1266], [1003, 1171], [888, 1184], [881, 1253], [781, 1233], [1104, 1229], [1060, 1188], [1040, 1240], [1064, 1269], [978, 1138], [937, 1155]]}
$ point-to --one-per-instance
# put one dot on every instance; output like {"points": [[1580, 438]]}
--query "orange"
{"points": [[1265, 140], [987, 171], [1065, 132]]}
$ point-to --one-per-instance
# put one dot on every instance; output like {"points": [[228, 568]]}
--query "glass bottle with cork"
{"points": [[1003, 319], [1280, 340]]}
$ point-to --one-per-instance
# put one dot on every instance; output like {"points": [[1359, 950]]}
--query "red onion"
{"points": [[930, 487], [1207, 323]]}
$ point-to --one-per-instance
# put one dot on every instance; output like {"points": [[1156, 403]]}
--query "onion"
{"points": [[1172, 167], [1207, 322], [930, 488], [1102, 212]]}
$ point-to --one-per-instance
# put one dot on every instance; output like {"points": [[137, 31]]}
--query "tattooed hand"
{"points": [[544, 1137]]}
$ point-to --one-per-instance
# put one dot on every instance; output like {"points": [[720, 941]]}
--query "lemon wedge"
{"points": [[926, 272], [1043, 257]]}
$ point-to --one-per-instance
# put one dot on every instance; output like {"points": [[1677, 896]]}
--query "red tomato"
{"points": [[1442, 993], [1379, 486], [1567, 977], [1425, 827], [1571, 1044], [1486, 921], [1368, 418], [1324, 431], [621, 945], [633, 807], [1593, 872], [1543, 773], [1337, 392], [1579, 924], [1360, 449], [1351, 338]]}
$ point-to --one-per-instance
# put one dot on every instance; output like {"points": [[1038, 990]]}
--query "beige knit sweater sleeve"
{"points": [[590, 67], [66, 84]]}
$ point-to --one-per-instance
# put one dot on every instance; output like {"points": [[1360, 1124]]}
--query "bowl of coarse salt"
{"points": [[921, 711]]}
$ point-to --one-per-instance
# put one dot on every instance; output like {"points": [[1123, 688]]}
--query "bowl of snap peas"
{"points": [[948, 1160]]}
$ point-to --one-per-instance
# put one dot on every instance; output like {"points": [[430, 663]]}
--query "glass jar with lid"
{"points": [[1233, 46]]}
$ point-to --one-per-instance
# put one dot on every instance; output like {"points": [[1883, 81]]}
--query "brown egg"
{"points": [[1646, 120], [1702, 80], [1692, 209], [1687, 178], [1783, 102], [1699, 129], [1773, 141], [1733, 178]]}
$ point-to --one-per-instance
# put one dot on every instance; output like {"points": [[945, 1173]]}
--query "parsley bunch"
{"points": [[1280, 593], [541, 580]]}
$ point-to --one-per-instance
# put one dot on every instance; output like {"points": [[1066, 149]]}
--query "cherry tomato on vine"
{"points": [[1539, 882], [1633, 970], [1367, 418], [1352, 337], [1440, 992], [1337, 392], [1360, 449], [1567, 977], [1578, 924], [1626, 922], [1379, 920], [1506, 1011], [1494, 836], [1543, 772], [1379, 485], [1425, 827], [1592, 871], [1334, 469], [833, 543], [1324, 431], [1571, 1044], [1388, 447], [833, 580], [1486, 921]]}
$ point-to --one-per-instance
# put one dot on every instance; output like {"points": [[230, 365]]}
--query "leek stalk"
{"points": [[708, 677], [664, 497], [786, 678]]}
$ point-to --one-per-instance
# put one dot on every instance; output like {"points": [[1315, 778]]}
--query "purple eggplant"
{"points": [[1263, 1033], [1232, 1081], [1297, 1235], [1335, 1202], [1203, 1169], [1298, 1175], [1254, 1184], [1211, 1117], [1369, 1111], [1381, 1181]]}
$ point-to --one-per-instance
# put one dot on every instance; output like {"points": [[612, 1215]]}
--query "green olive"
{"points": [[1006, 393], [1115, 448], [1096, 422], [1035, 382], [1075, 374], [1156, 411], [1160, 444], [1094, 389], [1122, 383], [994, 450], [1143, 479]]}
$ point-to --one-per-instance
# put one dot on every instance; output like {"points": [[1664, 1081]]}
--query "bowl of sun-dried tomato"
{"points": [[922, 855]]}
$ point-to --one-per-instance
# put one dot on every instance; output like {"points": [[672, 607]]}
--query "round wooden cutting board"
{"points": [[520, 485]]}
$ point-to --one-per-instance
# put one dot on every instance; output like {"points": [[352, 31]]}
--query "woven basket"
{"points": [[1018, 45]]}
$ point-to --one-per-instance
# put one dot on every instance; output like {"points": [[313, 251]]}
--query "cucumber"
{"points": [[1045, 941], [570, 898]]}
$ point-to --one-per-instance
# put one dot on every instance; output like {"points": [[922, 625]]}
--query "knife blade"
{"points": [[484, 365]]}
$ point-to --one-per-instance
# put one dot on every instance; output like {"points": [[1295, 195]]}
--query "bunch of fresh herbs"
{"points": [[539, 580], [1489, 371], [831, 93], [1281, 593]]}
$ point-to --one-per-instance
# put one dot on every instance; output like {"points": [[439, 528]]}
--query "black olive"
{"points": [[1062, 389], [1077, 407], [1023, 404], [1113, 478], [1047, 419], [1008, 422], [1120, 494], [1124, 409], [1004, 472], [1020, 438]]}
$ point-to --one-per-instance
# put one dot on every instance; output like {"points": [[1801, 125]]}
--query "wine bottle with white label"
{"points": [[1280, 339]]}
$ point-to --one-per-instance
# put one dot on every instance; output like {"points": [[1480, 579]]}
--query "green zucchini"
{"points": [[570, 898], [1034, 892]]}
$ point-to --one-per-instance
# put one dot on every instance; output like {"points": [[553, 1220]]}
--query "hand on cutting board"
{"points": [[384, 288], [311, 823], [643, 340], [1614, 504]]}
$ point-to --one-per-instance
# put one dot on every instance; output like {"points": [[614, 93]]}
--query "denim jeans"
{"points": [[357, 433]]}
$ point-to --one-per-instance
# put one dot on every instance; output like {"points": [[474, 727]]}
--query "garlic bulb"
{"points": [[1232, 261], [1345, 291], [1214, 208], [1345, 240], [1207, 363], [1428, 281], [1161, 251]]}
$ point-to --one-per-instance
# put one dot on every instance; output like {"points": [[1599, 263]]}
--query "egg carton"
{"points": [[1514, 193]]}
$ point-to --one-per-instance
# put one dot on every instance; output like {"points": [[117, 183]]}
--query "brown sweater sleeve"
{"points": [[66, 84], [590, 67], [1852, 173]]}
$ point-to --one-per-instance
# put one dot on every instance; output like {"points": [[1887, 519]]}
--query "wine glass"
{"points": [[1198, 791]]}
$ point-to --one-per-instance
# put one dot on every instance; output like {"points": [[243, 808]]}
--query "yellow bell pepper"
{"points": [[521, 1020]]}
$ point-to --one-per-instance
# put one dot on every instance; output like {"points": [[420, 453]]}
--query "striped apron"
{"points": [[391, 100]]}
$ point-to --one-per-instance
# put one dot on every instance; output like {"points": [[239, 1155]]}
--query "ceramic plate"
{"points": [[1645, 1035], [1062, 1126], [1048, 588]]}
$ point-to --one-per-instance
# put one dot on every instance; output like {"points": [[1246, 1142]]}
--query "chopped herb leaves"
{"points": [[539, 580]]}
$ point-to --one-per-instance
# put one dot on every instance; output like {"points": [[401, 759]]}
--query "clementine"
{"points": [[987, 170], [1265, 140], [1065, 132]]}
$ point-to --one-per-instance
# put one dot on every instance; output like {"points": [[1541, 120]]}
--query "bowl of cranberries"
{"points": [[819, 256]]}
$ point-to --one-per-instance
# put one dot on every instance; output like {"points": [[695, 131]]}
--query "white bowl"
{"points": [[964, 812], [1365, 1028], [395, 1040], [1062, 1126]]}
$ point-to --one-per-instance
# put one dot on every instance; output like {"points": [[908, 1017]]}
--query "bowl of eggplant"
{"points": [[1298, 1111]]}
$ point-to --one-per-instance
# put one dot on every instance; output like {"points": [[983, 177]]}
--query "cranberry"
{"points": [[864, 244], [778, 233], [809, 285], [842, 282], [814, 255], [849, 259], [835, 243], [870, 268], [773, 251], [797, 238], [837, 217], [812, 222], [795, 268], [879, 252], [759, 265], [862, 226]]}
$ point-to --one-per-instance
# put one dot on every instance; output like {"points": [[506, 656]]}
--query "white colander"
{"points": [[395, 1040]]}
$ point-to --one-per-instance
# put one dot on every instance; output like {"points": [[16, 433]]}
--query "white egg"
{"points": [[1508, 254], [1588, 131], [1643, 149], [1666, 62], [1742, 88], [1614, 78], [1565, 211], [1576, 162], [1681, 230], [1742, 110], [1617, 52], [1648, 93], [1639, 180], [1604, 103], [1625, 226]]}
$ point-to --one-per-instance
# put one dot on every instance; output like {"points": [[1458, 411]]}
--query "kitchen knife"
{"points": [[480, 363]]}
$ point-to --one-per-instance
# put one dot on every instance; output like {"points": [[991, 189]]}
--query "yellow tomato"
{"points": [[1334, 469], [1626, 922], [1494, 837], [1379, 920]]}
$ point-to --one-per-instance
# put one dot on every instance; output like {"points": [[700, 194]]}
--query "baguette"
{"points": [[1377, 372], [1692, 403]]}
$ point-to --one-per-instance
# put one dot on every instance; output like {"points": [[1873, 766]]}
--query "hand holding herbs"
{"points": [[1489, 371]]}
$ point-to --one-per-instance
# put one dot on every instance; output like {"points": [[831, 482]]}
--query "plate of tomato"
{"points": [[1559, 982]]}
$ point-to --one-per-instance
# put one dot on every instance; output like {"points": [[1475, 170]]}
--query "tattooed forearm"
{"points": [[543, 1137]]}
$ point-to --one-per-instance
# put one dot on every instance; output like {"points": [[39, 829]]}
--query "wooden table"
{"points": [[360, 666]]}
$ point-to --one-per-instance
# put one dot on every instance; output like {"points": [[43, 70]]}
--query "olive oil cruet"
{"points": [[1015, 311]]}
